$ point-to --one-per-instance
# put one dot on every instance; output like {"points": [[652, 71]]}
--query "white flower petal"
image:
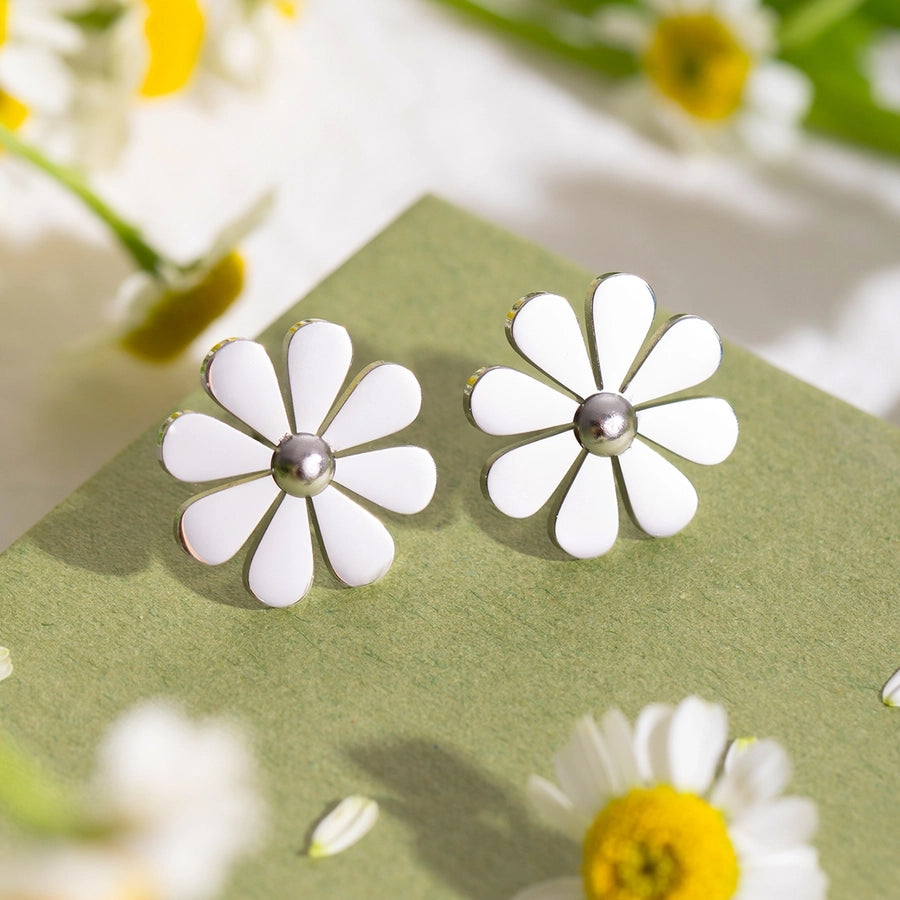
{"points": [[890, 693], [583, 768], [736, 748], [196, 447], [6, 665], [557, 889], [500, 400], [758, 774], [385, 398], [792, 875], [622, 26], [359, 548], [697, 739], [661, 499], [778, 90], [587, 522], [882, 67], [401, 479], [521, 480], [776, 825], [239, 376], [544, 329], [215, 526], [702, 429], [281, 571], [555, 808], [318, 359], [619, 741], [350, 821], [651, 742], [620, 313], [686, 352]]}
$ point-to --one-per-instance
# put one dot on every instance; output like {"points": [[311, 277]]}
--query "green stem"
{"points": [[807, 21], [128, 236]]}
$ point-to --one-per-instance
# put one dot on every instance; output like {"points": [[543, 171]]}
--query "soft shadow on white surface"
{"points": [[371, 106]]}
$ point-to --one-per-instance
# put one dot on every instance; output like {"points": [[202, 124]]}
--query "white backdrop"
{"points": [[369, 106]]}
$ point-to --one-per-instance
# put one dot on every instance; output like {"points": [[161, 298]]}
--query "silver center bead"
{"points": [[606, 424], [302, 465]]}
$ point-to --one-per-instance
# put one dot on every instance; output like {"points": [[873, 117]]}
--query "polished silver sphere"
{"points": [[606, 424], [302, 465]]}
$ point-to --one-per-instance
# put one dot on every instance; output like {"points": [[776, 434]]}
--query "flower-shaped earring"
{"points": [[617, 403], [310, 466]]}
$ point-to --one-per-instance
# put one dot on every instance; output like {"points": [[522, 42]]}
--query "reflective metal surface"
{"points": [[606, 424], [302, 465]]}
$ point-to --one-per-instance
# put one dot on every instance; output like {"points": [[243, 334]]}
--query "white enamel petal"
{"points": [[504, 401], [702, 429], [318, 359], [621, 313], [401, 479], [568, 888], [351, 820], [588, 519], [281, 571], [545, 330], [358, 546], [215, 526], [758, 774], [521, 480], [697, 737], [386, 399], [776, 825], [687, 352], [661, 498], [555, 808], [238, 375], [584, 769], [890, 693], [196, 447], [651, 742]]}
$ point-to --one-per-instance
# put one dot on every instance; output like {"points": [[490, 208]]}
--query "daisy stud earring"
{"points": [[299, 466], [612, 404]]}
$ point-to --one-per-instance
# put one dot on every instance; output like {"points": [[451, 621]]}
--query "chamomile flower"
{"points": [[655, 818], [709, 74], [174, 804], [165, 310]]}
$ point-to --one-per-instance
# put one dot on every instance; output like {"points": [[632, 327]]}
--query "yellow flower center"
{"points": [[4, 19], [290, 9], [658, 844], [174, 31], [12, 112], [178, 316], [695, 60]]}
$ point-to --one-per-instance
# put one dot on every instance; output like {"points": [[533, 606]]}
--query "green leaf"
{"points": [[808, 21], [563, 32], [97, 18], [32, 799]]}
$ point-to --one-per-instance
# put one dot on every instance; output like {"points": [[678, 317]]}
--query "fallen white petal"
{"points": [[890, 693], [351, 820], [6, 666]]}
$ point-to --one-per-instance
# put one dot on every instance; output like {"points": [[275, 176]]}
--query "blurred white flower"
{"points": [[6, 665], [33, 75], [350, 821], [175, 804], [709, 77], [654, 820], [882, 67]]}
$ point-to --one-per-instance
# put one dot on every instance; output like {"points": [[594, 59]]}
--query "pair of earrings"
{"points": [[299, 469]]}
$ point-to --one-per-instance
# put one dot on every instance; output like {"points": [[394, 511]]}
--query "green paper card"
{"points": [[439, 689]]}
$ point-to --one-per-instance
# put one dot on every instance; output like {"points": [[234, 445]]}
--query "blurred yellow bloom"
{"points": [[12, 112], [710, 78], [4, 18], [175, 314], [696, 60], [174, 30]]}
